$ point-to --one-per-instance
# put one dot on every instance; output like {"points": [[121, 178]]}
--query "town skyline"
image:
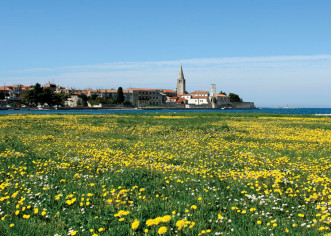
{"points": [[273, 53]]}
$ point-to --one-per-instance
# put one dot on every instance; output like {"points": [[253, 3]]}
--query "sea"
{"points": [[290, 111]]}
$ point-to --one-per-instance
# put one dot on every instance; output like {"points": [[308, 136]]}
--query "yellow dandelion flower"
{"points": [[162, 230], [166, 218], [135, 224]]}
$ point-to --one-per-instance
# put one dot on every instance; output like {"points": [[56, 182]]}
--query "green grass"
{"points": [[245, 168]]}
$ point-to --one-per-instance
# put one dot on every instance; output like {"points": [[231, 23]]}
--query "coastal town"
{"points": [[52, 96]]}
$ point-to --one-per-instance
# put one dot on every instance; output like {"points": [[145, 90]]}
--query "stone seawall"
{"points": [[243, 105]]}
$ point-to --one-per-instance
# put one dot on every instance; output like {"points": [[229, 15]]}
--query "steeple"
{"points": [[181, 74], [181, 82]]}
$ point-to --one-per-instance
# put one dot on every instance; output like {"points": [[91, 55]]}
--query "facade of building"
{"points": [[147, 97], [74, 101]]}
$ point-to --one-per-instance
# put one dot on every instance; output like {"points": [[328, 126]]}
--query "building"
{"points": [[201, 99], [222, 100], [181, 87], [147, 97], [74, 101]]}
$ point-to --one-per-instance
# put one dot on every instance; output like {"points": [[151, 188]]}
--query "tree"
{"points": [[224, 93], [2, 94], [47, 96], [234, 98], [119, 95], [84, 98], [40, 95]]}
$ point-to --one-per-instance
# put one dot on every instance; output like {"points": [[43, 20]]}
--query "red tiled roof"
{"points": [[221, 95], [199, 97], [2, 88], [181, 99], [169, 91], [137, 89], [200, 92], [107, 90]]}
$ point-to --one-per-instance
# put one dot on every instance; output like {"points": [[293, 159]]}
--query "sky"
{"points": [[273, 53]]}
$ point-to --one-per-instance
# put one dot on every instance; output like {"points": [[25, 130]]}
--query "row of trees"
{"points": [[233, 97], [40, 95], [94, 99]]}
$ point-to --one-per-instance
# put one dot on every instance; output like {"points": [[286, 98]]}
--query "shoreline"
{"points": [[117, 108]]}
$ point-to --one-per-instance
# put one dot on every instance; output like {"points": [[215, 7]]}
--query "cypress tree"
{"points": [[119, 95]]}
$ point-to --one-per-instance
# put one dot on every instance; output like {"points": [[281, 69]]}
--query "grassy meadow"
{"points": [[165, 174]]}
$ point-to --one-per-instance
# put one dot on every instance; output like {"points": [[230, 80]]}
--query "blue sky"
{"points": [[271, 52]]}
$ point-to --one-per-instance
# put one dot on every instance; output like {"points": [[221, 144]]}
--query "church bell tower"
{"points": [[181, 82]]}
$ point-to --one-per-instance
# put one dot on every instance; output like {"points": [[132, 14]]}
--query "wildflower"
{"points": [[101, 229], [135, 224], [219, 216], [166, 218], [192, 225], [150, 222], [180, 224], [162, 230], [193, 207], [11, 225], [259, 222]]}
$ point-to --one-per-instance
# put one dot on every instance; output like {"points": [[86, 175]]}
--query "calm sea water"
{"points": [[302, 111]]}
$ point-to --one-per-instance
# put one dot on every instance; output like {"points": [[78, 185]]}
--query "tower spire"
{"points": [[181, 82], [181, 74]]}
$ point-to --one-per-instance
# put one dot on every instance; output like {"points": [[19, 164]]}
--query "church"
{"points": [[197, 99], [182, 99]]}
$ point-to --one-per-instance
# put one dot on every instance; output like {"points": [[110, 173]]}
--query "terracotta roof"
{"points": [[137, 89], [200, 92], [169, 91], [221, 95], [199, 97], [181, 99], [2, 88], [107, 90]]}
